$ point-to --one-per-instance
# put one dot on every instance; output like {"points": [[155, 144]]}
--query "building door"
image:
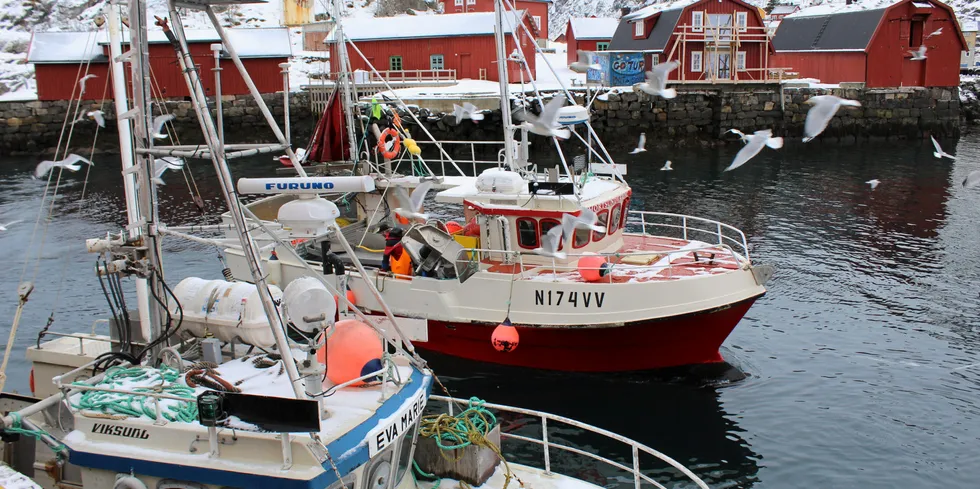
{"points": [[720, 65], [464, 67]]}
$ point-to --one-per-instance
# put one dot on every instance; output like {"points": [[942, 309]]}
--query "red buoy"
{"points": [[592, 267], [32, 380], [351, 298], [453, 227], [505, 337], [353, 350]]}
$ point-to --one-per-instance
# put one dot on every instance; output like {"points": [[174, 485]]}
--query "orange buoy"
{"points": [[592, 267], [453, 227], [505, 337], [351, 298], [353, 350], [32, 380]]}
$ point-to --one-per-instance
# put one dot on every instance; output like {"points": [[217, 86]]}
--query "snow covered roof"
{"points": [[658, 7], [593, 27], [847, 31], [841, 7], [426, 26], [784, 9], [969, 26], [657, 40], [60, 47]]}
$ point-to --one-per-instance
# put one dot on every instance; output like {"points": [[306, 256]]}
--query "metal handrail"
{"points": [[556, 268], [740, 242], [472, 161], [547, 445]]}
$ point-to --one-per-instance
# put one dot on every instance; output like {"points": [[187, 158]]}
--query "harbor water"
{"points": [[860, 367]]}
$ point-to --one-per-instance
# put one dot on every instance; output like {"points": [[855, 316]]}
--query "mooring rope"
{"points": [[101, 403]]}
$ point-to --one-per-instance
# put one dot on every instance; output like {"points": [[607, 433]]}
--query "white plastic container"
{"points": [[226, 310], [499, 181]]}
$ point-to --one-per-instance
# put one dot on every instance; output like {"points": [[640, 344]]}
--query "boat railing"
{"points": [[549, 446], [612, 260], [689, 227], [459, 148]]}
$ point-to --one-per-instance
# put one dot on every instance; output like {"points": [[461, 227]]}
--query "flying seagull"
{"points": [[939, 153], [546, 124], [158, 123], [97, 116], [583, 65], [874, 183], [467, 111], [656, 83], [586, 219], [919, 55], [667, 166], [4, 226], [753, 146], [411, 207], [824, 108], [81, 83], [161, 165], [740, 134], [550, 243], [641, 144], [71, 162], [935, 33]]}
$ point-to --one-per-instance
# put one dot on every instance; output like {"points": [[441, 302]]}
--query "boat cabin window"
{"points": [[614, 218], [626, 211], [527, 233], [602, 219], [546, 225], [581, 237]]}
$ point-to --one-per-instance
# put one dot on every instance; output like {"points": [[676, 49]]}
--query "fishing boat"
{"points": [[225, 383], [647, 291]]}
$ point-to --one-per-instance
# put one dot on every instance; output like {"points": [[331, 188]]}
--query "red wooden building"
{"points": [[431, 46], [779, 12], [536, 9], [870, 43], [589, 34], [715, 41], [61, 58]]}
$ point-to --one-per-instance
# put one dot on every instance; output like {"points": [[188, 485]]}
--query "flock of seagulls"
{"points": [[552, 241]]}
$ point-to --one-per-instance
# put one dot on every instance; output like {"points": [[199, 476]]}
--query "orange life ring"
{"points": [[397, 146]]}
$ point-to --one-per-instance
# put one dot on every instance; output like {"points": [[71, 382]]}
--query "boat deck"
{"points": [[529, 477], [642, 258]]}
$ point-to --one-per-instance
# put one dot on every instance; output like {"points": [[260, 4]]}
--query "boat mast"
{"points": [[218, 158], [343, 78], [133, 214], [500, 38], [139, 60]]}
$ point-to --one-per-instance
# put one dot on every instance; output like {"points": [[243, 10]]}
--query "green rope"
{"points": [[17, 428], [136, 405], [462, 430]]}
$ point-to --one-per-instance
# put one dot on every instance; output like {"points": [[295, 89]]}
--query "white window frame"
{"points": [[638, 29], [604, 46], [697, 61], [742, 21], [740, 60], [459, 3], [537, 21], [697, 21], [442, 62], [470, 2], [655, 59]]}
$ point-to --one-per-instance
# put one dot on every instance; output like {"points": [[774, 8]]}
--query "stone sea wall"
{"points": [[697, 116], [36, 127]]}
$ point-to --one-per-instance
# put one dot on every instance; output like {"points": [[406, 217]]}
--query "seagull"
{"points": [[467, 111], [550, 243], [546, 124], [71, 162], [97, 116], [741, 135], [3, 227], [939, 153], [81, 83], [411, 207], [656, 83], [583, 65], [874, 183], [824, 108], [667, 166], [586, 219], [972, 179], [755, 143], [161, 165], [641, 145], [158, 123], [935, 33], [919, 55]]}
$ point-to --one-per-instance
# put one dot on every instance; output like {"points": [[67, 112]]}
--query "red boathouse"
{"points": [[61, 58], [537, 10], [432, 47], [589, 34], [715, 41], [871, 43]]}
